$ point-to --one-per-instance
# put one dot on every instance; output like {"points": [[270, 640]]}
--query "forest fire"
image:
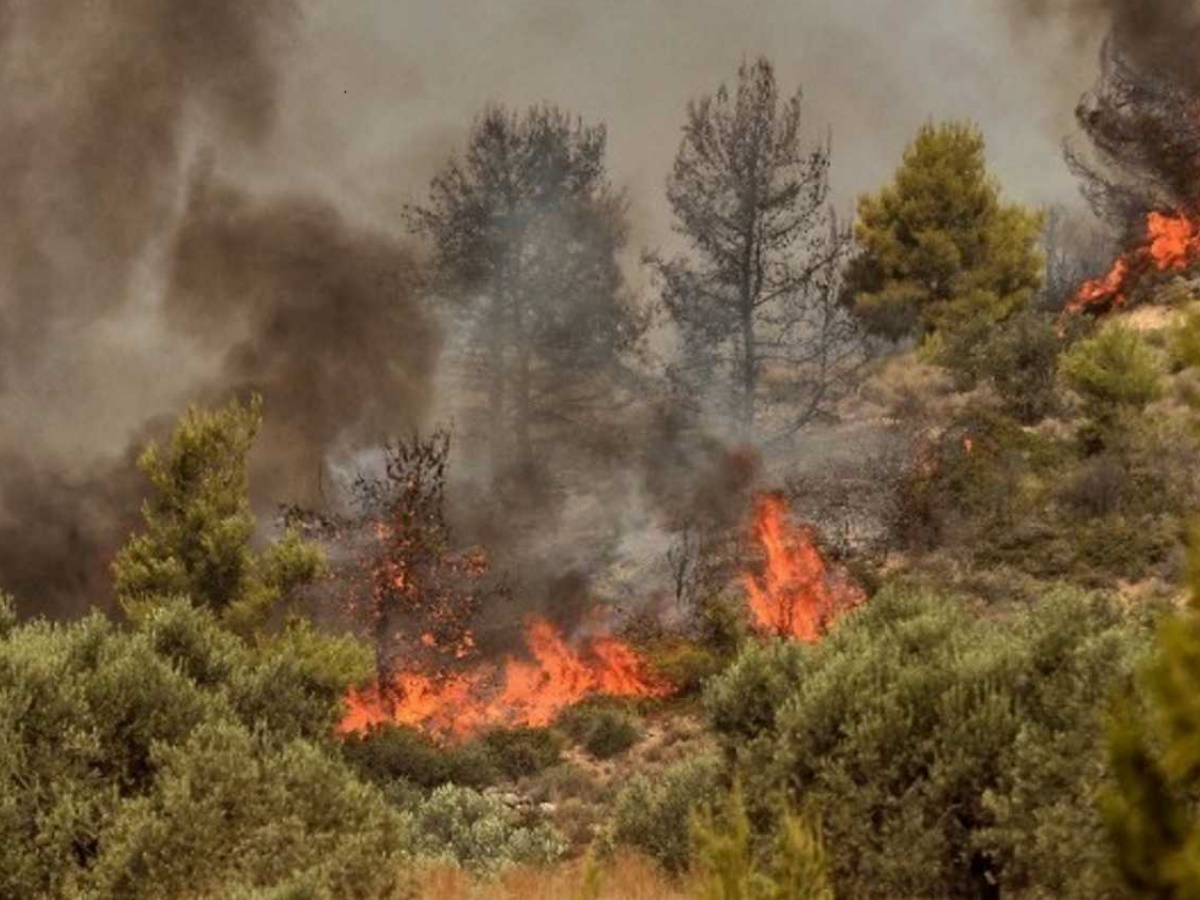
{"points": [[799, 593], [1172, 242], [530, 691]]}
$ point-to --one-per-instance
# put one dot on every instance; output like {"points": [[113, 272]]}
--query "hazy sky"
{"points": [[267, 139], [379, 90]]}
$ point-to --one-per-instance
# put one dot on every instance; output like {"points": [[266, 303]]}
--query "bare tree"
{"points": [[755, 299]]}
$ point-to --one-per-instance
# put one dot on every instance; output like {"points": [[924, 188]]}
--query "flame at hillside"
{"points": [[1172, 242], [516, 692], [799, 594]]}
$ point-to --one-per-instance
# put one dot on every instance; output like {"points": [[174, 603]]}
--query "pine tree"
{"points": [[198, 525], [526, 232], [939, 252], [1155, 745], [755, 299]]}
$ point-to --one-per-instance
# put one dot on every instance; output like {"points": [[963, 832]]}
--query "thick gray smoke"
{"points": [[135, 279], [1139, 128], [1153, 34], [93, 109], [318, 316], [146, 261]]}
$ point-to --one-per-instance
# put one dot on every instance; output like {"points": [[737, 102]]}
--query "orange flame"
{"points": [[799, 595], [518, 692], [1172, 242]]}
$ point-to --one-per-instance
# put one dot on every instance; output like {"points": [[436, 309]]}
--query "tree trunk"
{"points": [[749, 377], [522, 392], [495, 375]]}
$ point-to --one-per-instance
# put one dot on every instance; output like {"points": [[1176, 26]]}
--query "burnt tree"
{"points": [[408, 577], [755, 298], [526, 232], [1142, 124]]}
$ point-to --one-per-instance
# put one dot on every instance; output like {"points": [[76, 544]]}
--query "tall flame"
{"points": [[1172, 242], [798, 595], [529, 691]]}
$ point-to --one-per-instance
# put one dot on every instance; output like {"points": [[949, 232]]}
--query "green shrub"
{"points": [[1151, 807], [1019, 358], [792, 866], [196, 540], [686, 665], [602, 730], [8, 614], [1114, 368], [651, 813], [228, 810], [398, 753], [478, 831], [101, 731], [944, 750], [520, 752]]}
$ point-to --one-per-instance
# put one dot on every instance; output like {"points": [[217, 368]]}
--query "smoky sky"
{"points": [[384, 89], [144, 267], [206, 198]]}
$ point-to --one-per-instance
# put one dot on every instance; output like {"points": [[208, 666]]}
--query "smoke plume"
{"points": [[136, 278], [1140, 121]]}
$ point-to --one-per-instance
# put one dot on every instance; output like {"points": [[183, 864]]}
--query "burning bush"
{"points": [[517, 691], [409, 580], [799, 593]]}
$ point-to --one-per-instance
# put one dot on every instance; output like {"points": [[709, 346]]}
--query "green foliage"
{"points": [[938, 250], [1019, 358], [989, 493], [1185, 340], [650, 814], [388, 754], [519, 752], [1113, 369], [198, 525], [228, 809], [945, 751], [600, 729], [8, 614], [795, 866], [686, 664], [110, 738], [478, 831], [1154, 743], [173, 757], [398, 753]]}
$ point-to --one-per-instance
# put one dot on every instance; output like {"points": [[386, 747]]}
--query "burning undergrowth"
{"points": [[439, 674], [1171, 243], [441, 619], [800, 593], [532, 690]]}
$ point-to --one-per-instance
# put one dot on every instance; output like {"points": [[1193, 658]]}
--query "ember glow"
{"points": [[530, 691], [799, 594], [1172, 242]]}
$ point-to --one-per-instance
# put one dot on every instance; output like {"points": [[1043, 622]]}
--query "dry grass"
{"points": [[627, 877]]}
